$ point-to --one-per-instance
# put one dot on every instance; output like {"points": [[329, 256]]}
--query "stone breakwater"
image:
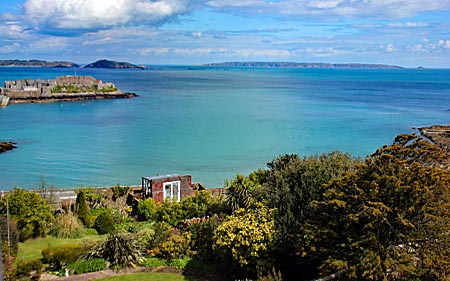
{"points": [[72, 97]]}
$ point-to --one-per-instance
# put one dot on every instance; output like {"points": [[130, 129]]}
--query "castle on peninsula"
{"points": [[63, 87]]}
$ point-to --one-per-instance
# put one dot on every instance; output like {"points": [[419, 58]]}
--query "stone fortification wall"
{"points": [[22, 94], [84, 81]]}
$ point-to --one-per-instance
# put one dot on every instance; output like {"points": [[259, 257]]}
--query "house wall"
{"points": [[158, 186]]}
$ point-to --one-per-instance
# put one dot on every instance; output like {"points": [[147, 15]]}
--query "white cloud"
{"points": [[444, 44], [346, 8], [99, 14], [10, 48], [408, 24]]}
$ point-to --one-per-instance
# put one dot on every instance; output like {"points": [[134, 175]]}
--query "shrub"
{"points": [[147, 209], [90, 265], [104, 223], [66, 226], [23, 269], [177, 246], [81, 209], [153, 262], [58, 257], [120, 249]]}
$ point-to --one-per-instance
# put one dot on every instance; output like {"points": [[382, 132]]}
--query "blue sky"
{"points": [[400, 32]]}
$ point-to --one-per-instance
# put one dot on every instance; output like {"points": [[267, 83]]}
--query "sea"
{"points": [[211, 123]]}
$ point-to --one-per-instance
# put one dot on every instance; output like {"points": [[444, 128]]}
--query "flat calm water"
{"points": [[211, 123]]}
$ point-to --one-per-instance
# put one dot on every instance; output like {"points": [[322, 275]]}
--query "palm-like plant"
{"points": [[240, 193], [120, 249]]}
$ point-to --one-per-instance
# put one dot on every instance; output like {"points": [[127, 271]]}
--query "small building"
{"points": [[167, 188]]}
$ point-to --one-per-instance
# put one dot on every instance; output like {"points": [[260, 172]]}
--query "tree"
{"points": [[32, 213], [240, 192], [81, 209], [246, 238], [389, 219]]}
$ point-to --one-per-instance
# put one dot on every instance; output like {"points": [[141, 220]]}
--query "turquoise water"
{"points": [[211, 123]]}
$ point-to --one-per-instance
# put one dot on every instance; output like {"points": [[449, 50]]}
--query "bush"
{"points": [[58, 257], [147, 209], [23, 269], [154, 262], [120, 249], [81, 209], [104, 223], [90, 265], [66, 226], [177, 246]]}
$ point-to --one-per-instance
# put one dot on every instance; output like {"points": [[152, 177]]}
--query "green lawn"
{"points": [[31, 249], [148, 276]]}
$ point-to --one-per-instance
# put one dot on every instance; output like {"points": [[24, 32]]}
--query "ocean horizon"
{"points": [[211, 123]]}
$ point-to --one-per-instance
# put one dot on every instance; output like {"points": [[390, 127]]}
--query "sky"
{"points": [[408, 33]]}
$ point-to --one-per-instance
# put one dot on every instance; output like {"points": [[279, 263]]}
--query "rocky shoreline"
{"points": [[6, 146], [438, 134], [73, 97]]}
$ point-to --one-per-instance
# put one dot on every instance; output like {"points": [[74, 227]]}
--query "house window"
{"points": [[172, 191]]}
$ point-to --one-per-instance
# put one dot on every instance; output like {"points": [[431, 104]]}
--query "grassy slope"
{"points": [[31, 249]]}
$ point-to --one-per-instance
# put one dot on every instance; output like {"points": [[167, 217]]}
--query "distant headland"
{"points": [[65, 64], [301, 65], [63, 88], [38, 63]]}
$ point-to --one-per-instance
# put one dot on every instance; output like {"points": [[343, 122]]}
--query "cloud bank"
{"points": [[101, 14]]}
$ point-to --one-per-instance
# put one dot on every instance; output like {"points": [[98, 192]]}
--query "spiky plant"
{"points": [[120, 249]]}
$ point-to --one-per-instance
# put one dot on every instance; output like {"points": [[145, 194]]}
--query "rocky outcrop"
{"points": [[38, 63], [6, 146], [113, 64], [438, 134]]}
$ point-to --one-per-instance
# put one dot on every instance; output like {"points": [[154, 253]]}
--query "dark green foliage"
{"points": [[161, 234], [240, 192], [81, 209], [292, 183], [119, 191], [171, 213], [32, 213], [153, 262], [13, 236], [202, 236], [388, 220], [120, 249], [60, 256], [24, 268], [90, 265], [104, 223]]}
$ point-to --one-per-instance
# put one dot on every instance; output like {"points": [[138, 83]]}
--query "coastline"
{"points": [[438, 134]]}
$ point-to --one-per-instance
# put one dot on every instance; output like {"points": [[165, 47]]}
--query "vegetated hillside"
{"points": [[38, 63], [113, 64], [302, 65]]}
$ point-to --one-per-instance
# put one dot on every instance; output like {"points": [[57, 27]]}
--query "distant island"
{"points": [[66, 64], [63, 88], [38, 63], [301, 65], [113, 64]]}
